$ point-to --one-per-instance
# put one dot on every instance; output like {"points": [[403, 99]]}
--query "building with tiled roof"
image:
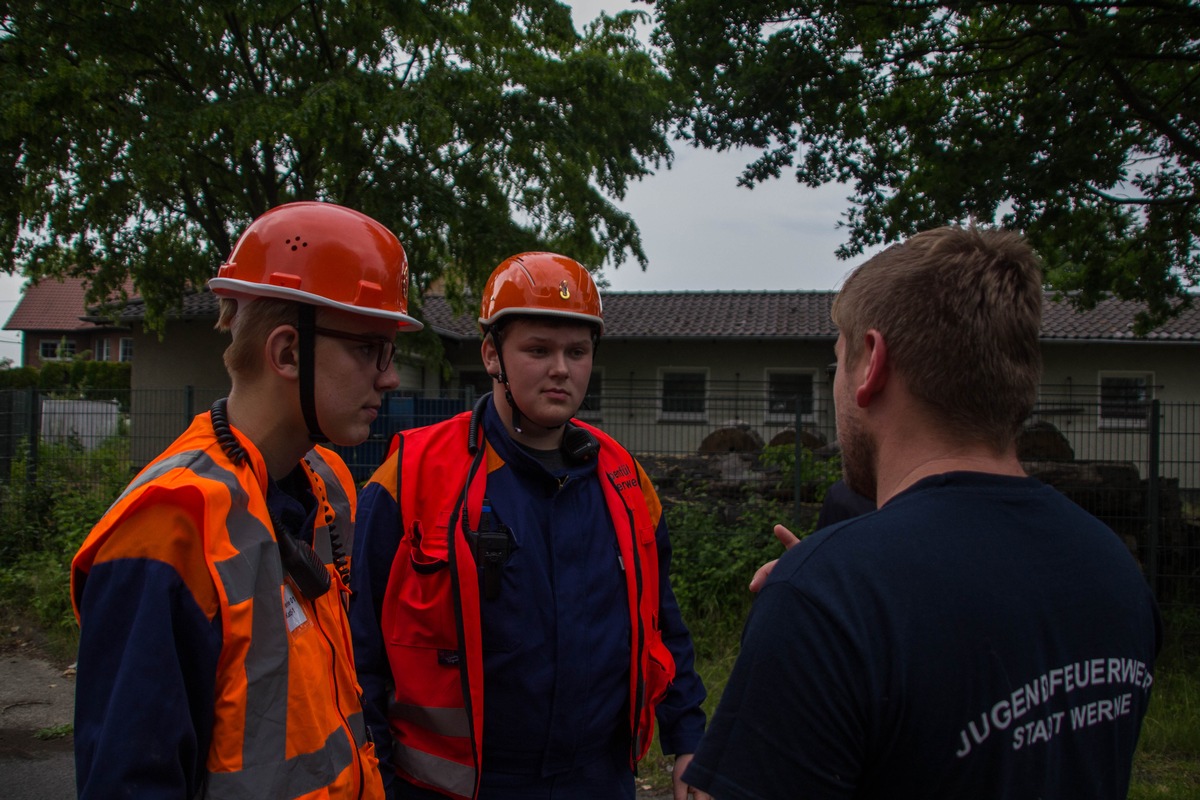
{"points": [[1112, 321], [798, 315], [54, 320], [688, 314], [793, 315], [676, 365]]}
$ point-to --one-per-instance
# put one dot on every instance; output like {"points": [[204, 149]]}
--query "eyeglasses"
{"points": [[381, 349]]}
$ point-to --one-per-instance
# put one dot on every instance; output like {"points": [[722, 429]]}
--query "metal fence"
{"points": [[1129, 459]]}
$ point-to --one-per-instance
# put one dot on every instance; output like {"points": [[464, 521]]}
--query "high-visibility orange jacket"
{"points": [[433, 595], [285, 715]]}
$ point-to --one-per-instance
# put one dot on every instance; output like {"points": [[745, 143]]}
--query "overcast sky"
{"points": [[10, 292], [699, 228]]}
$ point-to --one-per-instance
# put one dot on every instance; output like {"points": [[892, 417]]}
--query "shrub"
{"points": [[103, 379], [46, 518], [717, 547], [715, 557], [816, 473], [55, 377], [18, 378], [79, 377]]}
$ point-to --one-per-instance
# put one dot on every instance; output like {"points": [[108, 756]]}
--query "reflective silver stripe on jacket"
{"points": [[335, 494], [441, 772], [255, 574], [290, 778], [459, 779]]}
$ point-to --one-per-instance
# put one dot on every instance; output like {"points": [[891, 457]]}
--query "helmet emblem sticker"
{"points": [[563, 291]]}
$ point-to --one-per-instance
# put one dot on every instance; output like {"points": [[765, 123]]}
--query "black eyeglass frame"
{"points": [[387, 347]]}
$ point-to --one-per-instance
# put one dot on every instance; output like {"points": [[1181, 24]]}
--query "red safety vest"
{"points": [[287, 719], [431, 604]]}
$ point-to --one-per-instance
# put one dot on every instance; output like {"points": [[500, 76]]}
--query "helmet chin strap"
{"points": [[516, 411], [308, 402], [517, 416]]}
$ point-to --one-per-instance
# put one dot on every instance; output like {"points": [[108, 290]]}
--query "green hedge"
{"points": [[78, 376]]}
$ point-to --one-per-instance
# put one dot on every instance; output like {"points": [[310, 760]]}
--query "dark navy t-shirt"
{"points": [[980, 636]]}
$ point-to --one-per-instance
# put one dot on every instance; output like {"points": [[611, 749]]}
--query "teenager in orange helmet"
{"points": [[514, 623], [215, 656]]}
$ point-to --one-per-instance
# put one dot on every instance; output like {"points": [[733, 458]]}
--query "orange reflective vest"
{"points": [[287, 720], [431, 606]]}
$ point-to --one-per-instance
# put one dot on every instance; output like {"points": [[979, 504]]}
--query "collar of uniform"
{"points": [[518, 458]]}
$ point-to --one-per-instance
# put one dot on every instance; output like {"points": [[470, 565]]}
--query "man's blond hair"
{"points": [[250, 321], [960, 311]]}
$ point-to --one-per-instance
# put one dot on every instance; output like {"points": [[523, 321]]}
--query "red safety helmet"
{"points": [[321, 254], [541, 284]]}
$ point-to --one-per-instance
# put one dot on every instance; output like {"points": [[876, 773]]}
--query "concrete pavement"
{"points": [[35, 695]]}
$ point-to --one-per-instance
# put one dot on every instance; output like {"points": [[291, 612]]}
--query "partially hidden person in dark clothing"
{"points": [[979, 635], [514, 625], [214, 647], [841, 503]]}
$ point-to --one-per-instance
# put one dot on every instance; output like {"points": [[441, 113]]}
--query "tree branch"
{"points": [[1144, 201]]}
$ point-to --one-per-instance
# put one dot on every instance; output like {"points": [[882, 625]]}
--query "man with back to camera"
{"points": [[979, 636], [214, 653], [514, 626]]}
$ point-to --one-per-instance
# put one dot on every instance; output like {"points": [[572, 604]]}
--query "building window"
{"points": [[790, 393], [1125, 399], [126, 351], [103, 350], [590, 410], [683, 395], [56, 349]]}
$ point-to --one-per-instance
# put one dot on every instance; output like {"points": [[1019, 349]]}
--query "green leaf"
{"points": [[1074, 123], [140, 138]]}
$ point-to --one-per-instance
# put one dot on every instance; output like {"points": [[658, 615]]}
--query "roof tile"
{"points": [[52, 304], [760, 314]]}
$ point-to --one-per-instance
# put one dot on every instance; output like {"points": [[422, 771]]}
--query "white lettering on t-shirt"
{"points": [[1010, 710], [1039, 730], [1101, 711]]}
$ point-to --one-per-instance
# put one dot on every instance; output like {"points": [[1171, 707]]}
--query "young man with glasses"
{"points": [[214, 656]]}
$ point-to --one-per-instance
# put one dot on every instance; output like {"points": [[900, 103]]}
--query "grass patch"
{"points": [[717, 639], [55, 732], [1167, 763], [21, 630], [1158, 777]]}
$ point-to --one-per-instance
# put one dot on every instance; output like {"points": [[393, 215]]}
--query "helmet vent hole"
{"points": [[296, 243]]}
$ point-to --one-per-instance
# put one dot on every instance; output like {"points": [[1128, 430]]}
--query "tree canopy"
{"points": [[1077, 123], [138, 138]]}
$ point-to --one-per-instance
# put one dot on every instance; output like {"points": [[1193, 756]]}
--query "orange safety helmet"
{"points": [[320, 254], [541, 284]]}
